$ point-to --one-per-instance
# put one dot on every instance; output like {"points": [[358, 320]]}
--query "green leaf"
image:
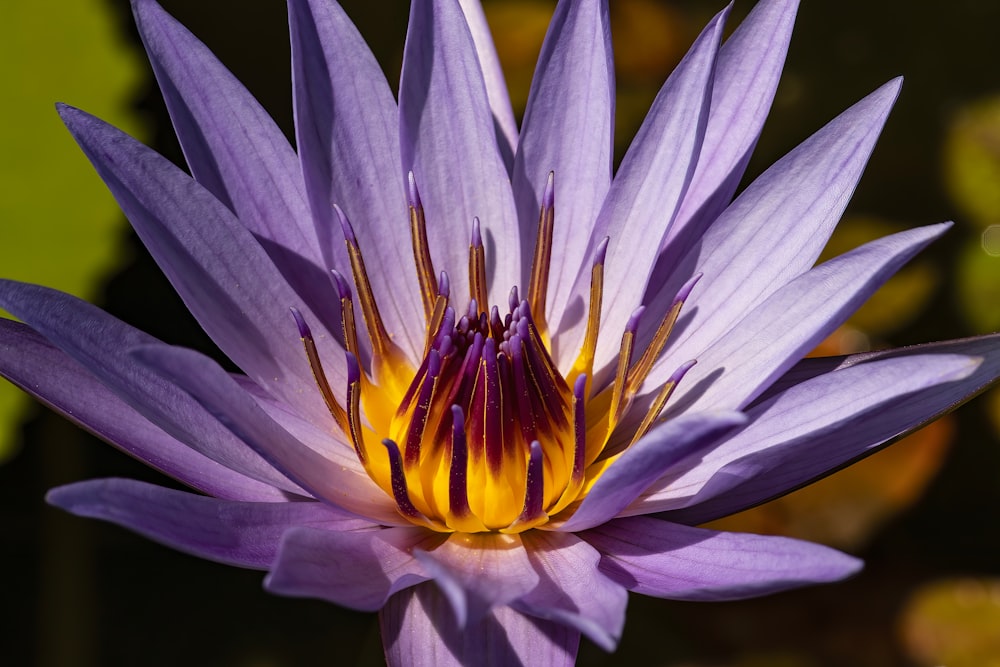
{"points": [[60, 225]]}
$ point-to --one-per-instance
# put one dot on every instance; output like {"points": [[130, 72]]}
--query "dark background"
{"points": [[79, 592]]}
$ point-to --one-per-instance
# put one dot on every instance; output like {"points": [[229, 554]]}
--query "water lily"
{"points": [[469, 397]]}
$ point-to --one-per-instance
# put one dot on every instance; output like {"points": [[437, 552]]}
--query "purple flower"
{"points": [[469, 398]]}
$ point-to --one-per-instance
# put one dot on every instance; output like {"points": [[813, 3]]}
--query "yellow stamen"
{"points": [[585, 362]]}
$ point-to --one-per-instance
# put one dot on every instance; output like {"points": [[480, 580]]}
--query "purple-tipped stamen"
{"points": [[458, 480], [534, 493], [399, 491]]}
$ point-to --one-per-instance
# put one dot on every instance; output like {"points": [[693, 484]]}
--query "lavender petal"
{"points": [[678, 562]]}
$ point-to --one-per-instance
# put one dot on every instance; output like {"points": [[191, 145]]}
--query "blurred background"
{"points": [[924, 514]]}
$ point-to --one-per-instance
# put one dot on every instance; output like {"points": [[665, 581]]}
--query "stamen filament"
{"points": [[619, 397], [661, 400], [541, 262], [585, 362], [319, 376], [354, 408], [421, 248], [477, 267], [348, 325], [638, 373], [382, 345], [418, 420]]}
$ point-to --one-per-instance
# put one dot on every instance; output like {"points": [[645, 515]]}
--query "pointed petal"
{"points": [[449, 142], [51, 376], [496, 85], [790, 323], [237, 152], [355, 569], [99, 342], [235, 533], [985, 347], [678, 562], [347, 128], [568, 129], [775, 229], [479, 572], [746, 77], [645, 195], [218, 268], [817, 427], [419, 630], [322, 475], [642, 463], [572, 590]]}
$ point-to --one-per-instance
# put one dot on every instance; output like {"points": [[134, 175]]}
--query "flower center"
{"points": [[486, 434]]}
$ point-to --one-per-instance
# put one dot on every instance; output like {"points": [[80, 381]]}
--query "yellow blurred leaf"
{"points": [[978, 287], [897, 303], [954, 622], [59, 225], [518, 26], [650, 39], [972, 161]]}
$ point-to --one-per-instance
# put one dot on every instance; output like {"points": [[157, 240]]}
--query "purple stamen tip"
{"points": [[524, 329], [679, 374], [512, 299], [444, 285], [412, 191], [343, 287], [580, 386], [457, 419], [549, 194], [353, 367], [683, 293], [433, 363], [300, 322], [633, 321], [345, 225], [477, 237], [489, 349], [447, 346], [602, 251]]}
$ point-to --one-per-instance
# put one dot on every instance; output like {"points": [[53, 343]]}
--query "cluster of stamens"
{"points": [[486, 434]]}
